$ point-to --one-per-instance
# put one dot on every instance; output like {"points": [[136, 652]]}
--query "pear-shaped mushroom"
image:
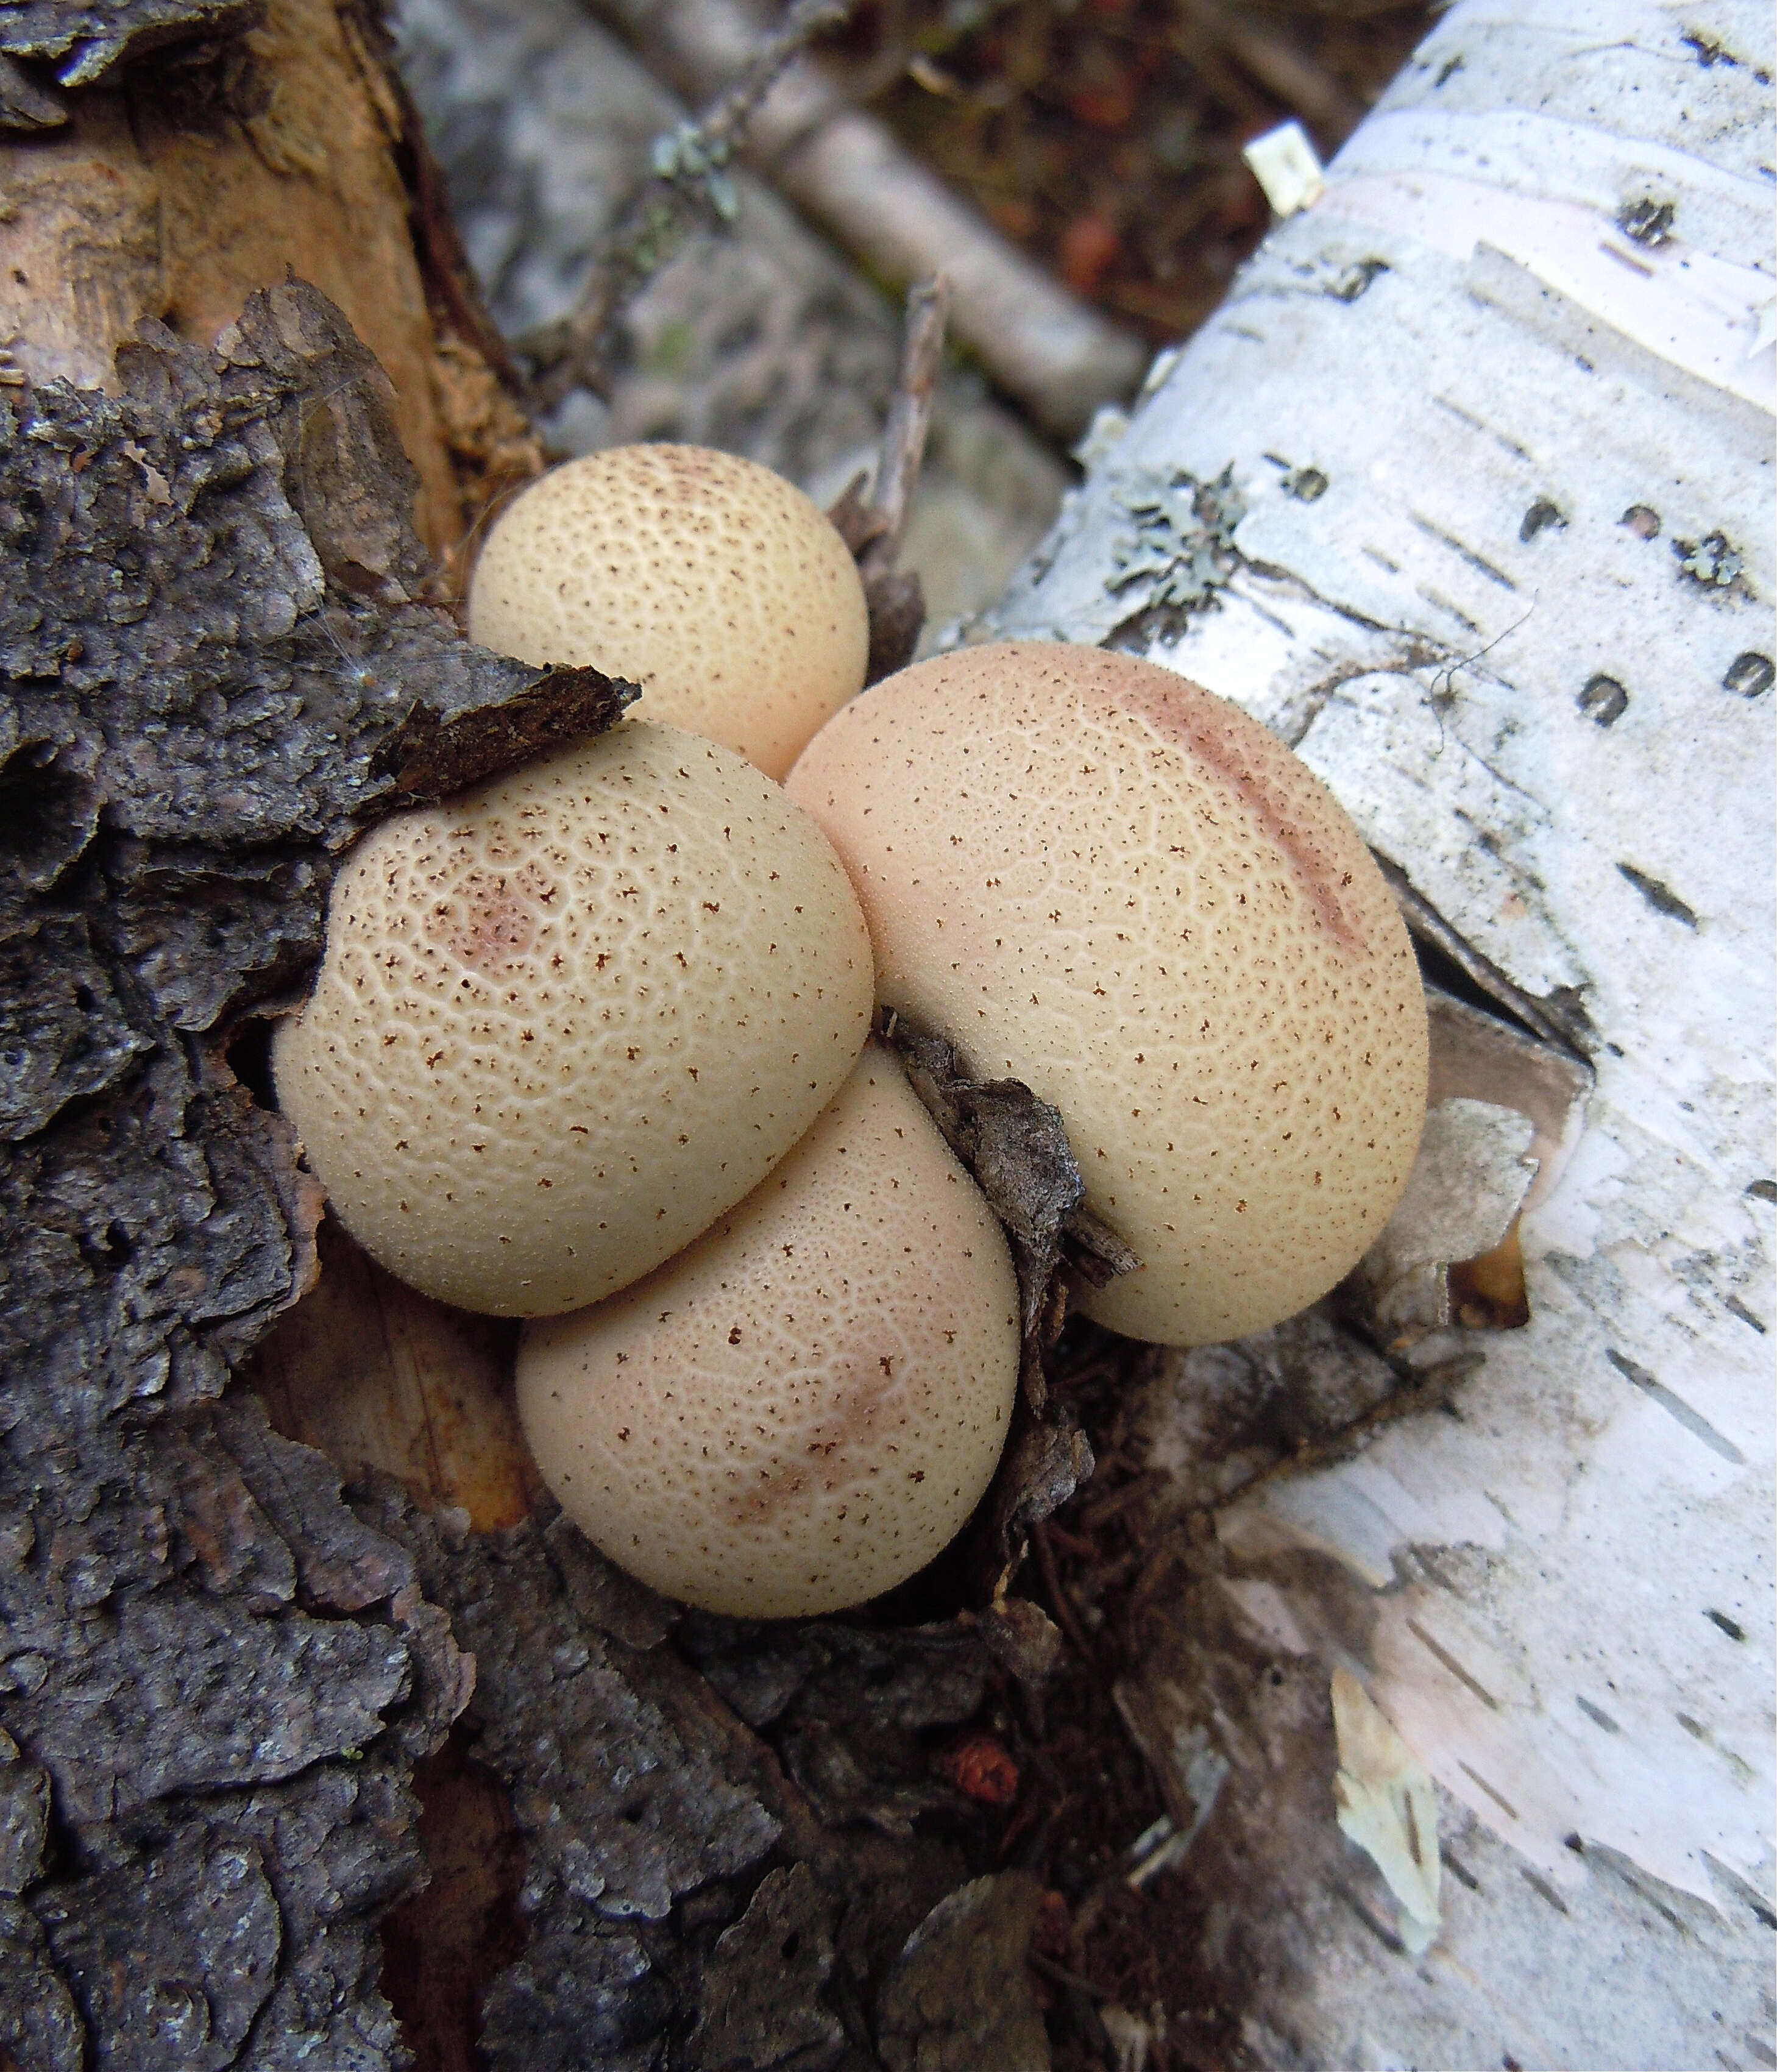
{"points": [[1097, 878], [712, 582], [801, 1409], [565, 1020]]}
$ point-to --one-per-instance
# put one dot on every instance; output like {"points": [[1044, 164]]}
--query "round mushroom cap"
{"points": [[799, 1412], [714, 584], [1097, 878], [565, 1020]]}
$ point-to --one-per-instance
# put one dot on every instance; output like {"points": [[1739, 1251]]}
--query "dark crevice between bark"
{"points": [[1559, 1016]]}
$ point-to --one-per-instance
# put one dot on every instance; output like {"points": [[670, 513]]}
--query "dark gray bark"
{"points": [[215, 1676], [81, 43]]}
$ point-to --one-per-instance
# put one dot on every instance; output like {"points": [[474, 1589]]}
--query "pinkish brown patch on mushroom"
{"points": [[567, 1019], [801, 1409], [1098, 878]]}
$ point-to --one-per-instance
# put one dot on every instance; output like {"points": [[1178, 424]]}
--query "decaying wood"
{"points": [[1017, 1147], [80, 45], [216, 1676], [679, 1782], [217, 167], [235, 673], [381, 1378], [219, 1676]]}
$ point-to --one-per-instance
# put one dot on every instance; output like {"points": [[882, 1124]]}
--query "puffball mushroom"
{"points": [[565, 1020], [800, 1410], [712, 582], [1097, 878]]}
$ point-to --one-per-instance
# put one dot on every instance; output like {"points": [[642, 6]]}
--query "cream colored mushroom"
{"points": [[564, 1020], [712, 582], [799, 1412], [1098, 878]]}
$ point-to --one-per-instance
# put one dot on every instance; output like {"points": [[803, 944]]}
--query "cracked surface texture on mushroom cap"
{"points": [[1098, 878], [801, 1410], [712, 582], [565, 1020]]}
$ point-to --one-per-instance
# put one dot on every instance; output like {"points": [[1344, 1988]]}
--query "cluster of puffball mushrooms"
{"points": [[591, 1045]]}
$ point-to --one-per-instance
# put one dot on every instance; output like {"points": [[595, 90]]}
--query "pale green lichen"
{"points": [[1183, 548], [692, 158], [1710, 561]]}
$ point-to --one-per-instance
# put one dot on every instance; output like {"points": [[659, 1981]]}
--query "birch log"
{"points": [[1498, 410]]}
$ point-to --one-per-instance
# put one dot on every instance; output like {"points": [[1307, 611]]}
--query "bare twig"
{"points": [[873, 530], [690, 188], [1286, 70], [1055, 352], [909, 418]]}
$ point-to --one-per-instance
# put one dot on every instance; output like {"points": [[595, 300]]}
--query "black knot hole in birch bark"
{"points": [[1603, 701], [1749, 675]]}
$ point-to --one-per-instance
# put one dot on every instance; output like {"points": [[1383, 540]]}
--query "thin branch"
{"points": [[1297, 79], [690, 189], [727, 121], [873, 530], [909, 419]]}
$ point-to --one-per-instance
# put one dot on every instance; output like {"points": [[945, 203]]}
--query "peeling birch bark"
{"points": [[1498, 410]]}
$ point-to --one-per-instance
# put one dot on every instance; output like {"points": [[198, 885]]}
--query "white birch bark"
{"points": [[1499, 405]]}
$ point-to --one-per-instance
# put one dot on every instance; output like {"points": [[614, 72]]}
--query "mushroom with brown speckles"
{"points": [[564, 1020], [800, 1410], [712, 582], [1098, 878]]}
